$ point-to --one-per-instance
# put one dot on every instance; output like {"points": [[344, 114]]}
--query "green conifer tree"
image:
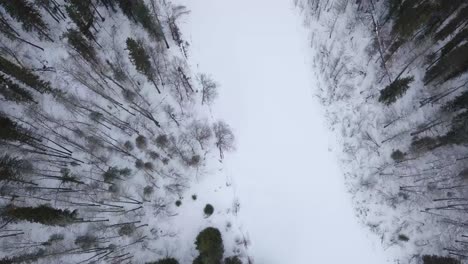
{"points": [[12, 91], [210, 245], [141, 60], [395, 90], [42, 214], [28, 15], [25, 76]]}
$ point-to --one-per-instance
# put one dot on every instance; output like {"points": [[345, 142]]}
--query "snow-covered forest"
{"points": [[109, 150], [392, 76]]}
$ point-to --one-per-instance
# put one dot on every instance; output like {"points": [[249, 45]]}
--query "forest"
{"points": [[394, 82], [105, 133]]}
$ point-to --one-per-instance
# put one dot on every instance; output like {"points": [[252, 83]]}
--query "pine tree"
{"points": [[460, 102], [42, 214], [141, 60], [395, 90], [11, 91], [25, 76], [210, 245], [29, 16], [82, 46]]}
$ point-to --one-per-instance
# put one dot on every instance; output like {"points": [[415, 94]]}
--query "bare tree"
{"points": [[224, 137], [201, 132], [209, 89]]}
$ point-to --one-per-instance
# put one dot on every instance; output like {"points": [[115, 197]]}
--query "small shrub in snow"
{"points": [[141, 142], [194, 197], [397, 155], [139, 164], [178, 203], [128, 145], [208, 210], [402, 237]]}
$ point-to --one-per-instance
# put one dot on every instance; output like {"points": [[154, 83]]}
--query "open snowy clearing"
{"points": [[293, 200]]}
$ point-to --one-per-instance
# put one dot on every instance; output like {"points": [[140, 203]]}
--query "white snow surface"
{"points": [[293, 198]]}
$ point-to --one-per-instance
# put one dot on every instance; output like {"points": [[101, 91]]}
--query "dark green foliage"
{"points": [[81, 45], [138, 11], [164, 261], [127, 230], [27, 14], [208, 210], [42, 214], [82, 14], [25, 258], [178, 203], [25, 76], [397, 155], [402, 237], [232, 260], [433, 259], [140, 58], [13, 169], [162, 141], [459, 132], [460, 102], [13, 132], [114, 173], [194, 197], [395, 90], [11, 91], [450, 27], [141, 142], [423, 144], [148, 190], [454, 42], [210, 245], [86, 241], [449, 66]]}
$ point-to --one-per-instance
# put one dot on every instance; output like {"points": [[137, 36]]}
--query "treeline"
{"points": [[102, 130]]}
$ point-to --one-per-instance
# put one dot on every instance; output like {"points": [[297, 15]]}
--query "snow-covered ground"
{"points": [[293, 200]]}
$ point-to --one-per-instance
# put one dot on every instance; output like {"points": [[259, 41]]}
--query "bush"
{"points": [[402, 237], [210, 245], [209, 209], [141, 142], [164, 261], [148, 190], [178, 203], [433, 259], [128, 145], [194, 197], [162, 141], [139, 164], [232, 260], [397, 155]]}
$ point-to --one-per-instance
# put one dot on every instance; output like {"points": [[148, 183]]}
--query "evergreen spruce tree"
{"points": [[82, 14], [210, 245], [137, 11], [10, 131], [82, 46], [42, 214], [141, 60], [25, 76], [395, 90], [460, 102], [13, 169], [28, 15], [12, 91]]}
